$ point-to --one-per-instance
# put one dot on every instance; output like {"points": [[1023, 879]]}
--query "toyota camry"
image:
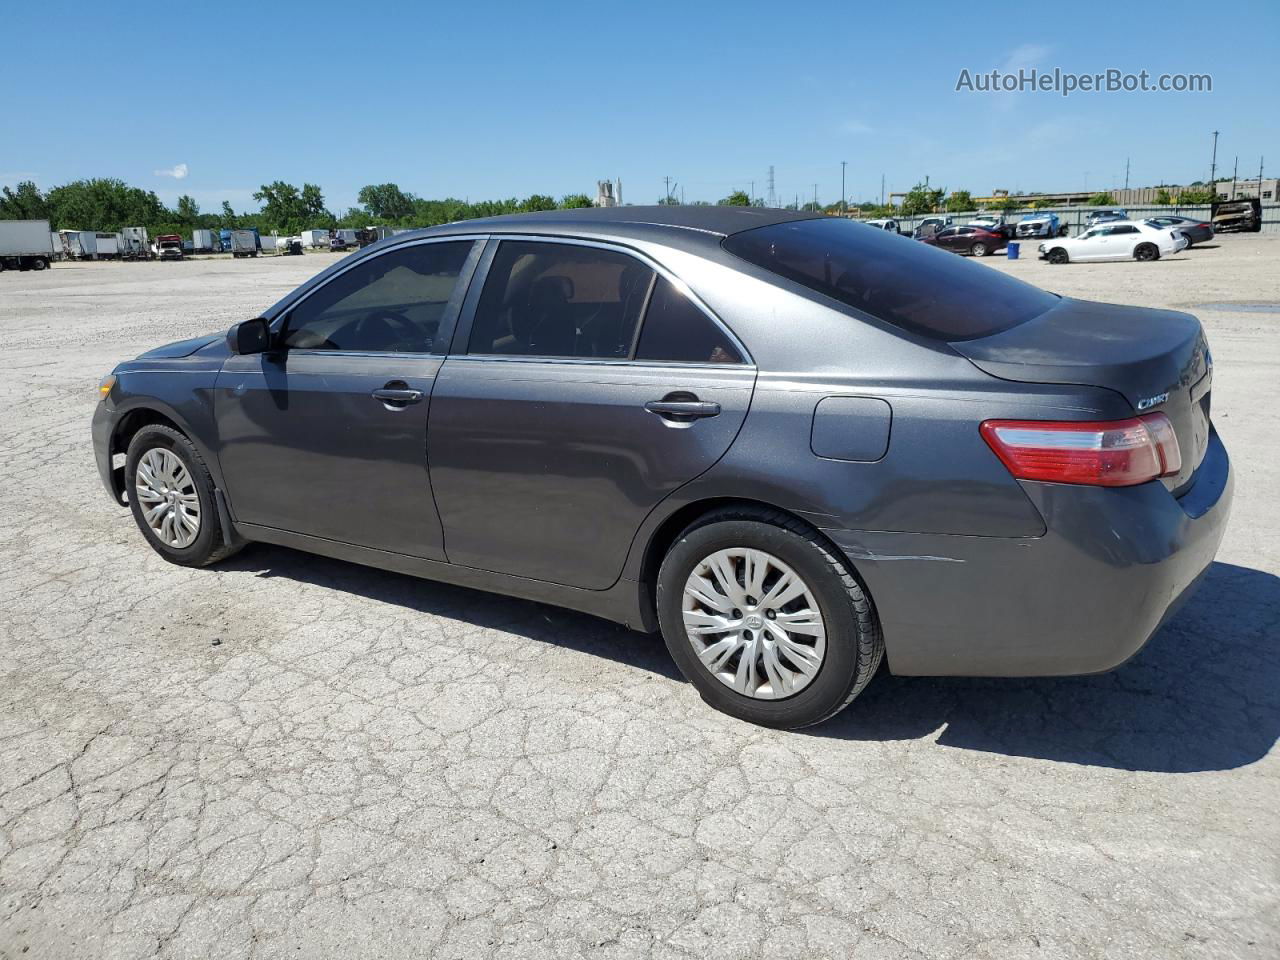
{"points": [[794, 444]]}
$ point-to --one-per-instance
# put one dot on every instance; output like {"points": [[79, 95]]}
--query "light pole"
{"points": [[844, 206]]}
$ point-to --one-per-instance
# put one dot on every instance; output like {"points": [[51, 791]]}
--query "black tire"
{"points": [[1058, 255], [978, 249], [208, 547], [1146, 252], [39, 263], [854, 643]]}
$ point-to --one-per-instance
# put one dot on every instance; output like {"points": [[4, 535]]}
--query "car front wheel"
{"points": [[765, 620], [172, 500], [1058, 255]]}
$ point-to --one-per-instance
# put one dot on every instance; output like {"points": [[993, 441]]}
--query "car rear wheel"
{"points": [[978, 249], [1146, 252], [765, 620], [1058, 255], [171, 496]]}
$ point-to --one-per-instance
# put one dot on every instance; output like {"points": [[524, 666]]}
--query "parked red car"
{"points": [[967, 239]]}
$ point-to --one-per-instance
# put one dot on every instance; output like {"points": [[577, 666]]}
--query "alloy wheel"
{"points": [[754, 623], [167, 496]]}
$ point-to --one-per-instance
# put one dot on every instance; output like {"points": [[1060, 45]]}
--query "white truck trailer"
{"points": [[202, 241], [79, 244], [244, 243], [108, 245], [137, 245], [25, 244], [315, 239]]}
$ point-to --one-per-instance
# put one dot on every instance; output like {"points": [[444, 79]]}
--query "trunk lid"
{"points": [[1158, 360]]}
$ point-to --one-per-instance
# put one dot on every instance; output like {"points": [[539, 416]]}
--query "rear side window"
{"points": [[560, 300], [675, 330], [912, 286]]}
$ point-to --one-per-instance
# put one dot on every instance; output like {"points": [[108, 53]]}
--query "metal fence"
{"points": [[1074, 217]]}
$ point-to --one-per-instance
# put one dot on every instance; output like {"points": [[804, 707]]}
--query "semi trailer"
{"points": [[25, 244]]}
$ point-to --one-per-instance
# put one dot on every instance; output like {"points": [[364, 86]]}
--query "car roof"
{"points": [[653, 222]]}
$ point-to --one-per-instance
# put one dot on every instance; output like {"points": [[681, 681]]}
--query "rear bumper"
{"points": [[1113, 565]]}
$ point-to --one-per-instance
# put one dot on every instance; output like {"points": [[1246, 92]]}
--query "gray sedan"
{"points": [[1196, 231], [794, 444]]}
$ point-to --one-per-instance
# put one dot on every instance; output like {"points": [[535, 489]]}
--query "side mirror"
{"points": [[250, 336]]}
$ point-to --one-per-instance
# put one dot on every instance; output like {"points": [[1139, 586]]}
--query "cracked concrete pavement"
{"points": [[291, 756]]}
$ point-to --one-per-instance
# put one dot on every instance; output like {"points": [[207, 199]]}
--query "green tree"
{"points": [[1006, 203], [290, 210], [188, 211], [1196, 197], [386, 201], [921, 200], [1103, 199], [536, 202], [26, 202], [575, 201], [1163, 197], [1042, 204], [229, 220], [738, 198], [959, 201], [104, 204]]}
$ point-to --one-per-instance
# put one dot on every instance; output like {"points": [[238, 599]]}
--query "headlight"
{"points": [[104, 387]]}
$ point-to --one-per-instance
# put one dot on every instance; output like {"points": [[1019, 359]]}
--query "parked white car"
{"points": [[1117, 240], [890, 225]]}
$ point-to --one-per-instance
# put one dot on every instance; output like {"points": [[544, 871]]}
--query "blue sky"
{"points": [[485, 100]]}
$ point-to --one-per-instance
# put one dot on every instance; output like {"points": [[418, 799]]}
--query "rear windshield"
{"points": [[901, 281]]}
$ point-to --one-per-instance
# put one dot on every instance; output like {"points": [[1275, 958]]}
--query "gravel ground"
{"points": [[291, 756]]}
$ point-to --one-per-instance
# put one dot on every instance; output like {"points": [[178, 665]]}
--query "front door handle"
{"points": [[397, 396], [683, 410]]}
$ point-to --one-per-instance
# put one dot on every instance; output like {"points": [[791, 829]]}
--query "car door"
{"points": [[584, 385], [326, 434], [946, 238], [1124, 240], [1096, 244]]}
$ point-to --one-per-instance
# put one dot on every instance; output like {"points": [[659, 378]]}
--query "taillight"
{"points": [[1109, 453]]}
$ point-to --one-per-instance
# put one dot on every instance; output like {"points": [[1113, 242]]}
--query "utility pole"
{"points": [[1126, 173], [844, 204], [667, 181], [773, 197], [1213, 164], [751, 193], [1234, 173], [815, 196], [1260, 159], [882, 189]]}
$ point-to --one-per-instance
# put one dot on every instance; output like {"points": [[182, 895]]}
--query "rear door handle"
{"points": [[683, 409], [399, 397]]}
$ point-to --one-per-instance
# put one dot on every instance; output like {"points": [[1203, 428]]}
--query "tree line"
{"points": [[107, 205]]}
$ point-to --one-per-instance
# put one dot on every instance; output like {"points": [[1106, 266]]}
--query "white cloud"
{"points": [[178, 171]]}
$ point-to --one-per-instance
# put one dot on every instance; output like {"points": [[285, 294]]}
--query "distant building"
{"points": [[608, 194], [1265, 190]]}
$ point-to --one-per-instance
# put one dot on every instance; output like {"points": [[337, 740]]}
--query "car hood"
{"points": [[180, 348]]}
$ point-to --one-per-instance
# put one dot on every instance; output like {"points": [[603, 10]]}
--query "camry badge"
{"points": [[1149, 402]]}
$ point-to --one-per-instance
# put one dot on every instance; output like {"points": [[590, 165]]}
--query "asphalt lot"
{"points": [[291, 756]]}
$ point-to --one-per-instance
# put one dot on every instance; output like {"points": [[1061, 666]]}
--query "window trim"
{"points": [[462, 330], [448, 321]]}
